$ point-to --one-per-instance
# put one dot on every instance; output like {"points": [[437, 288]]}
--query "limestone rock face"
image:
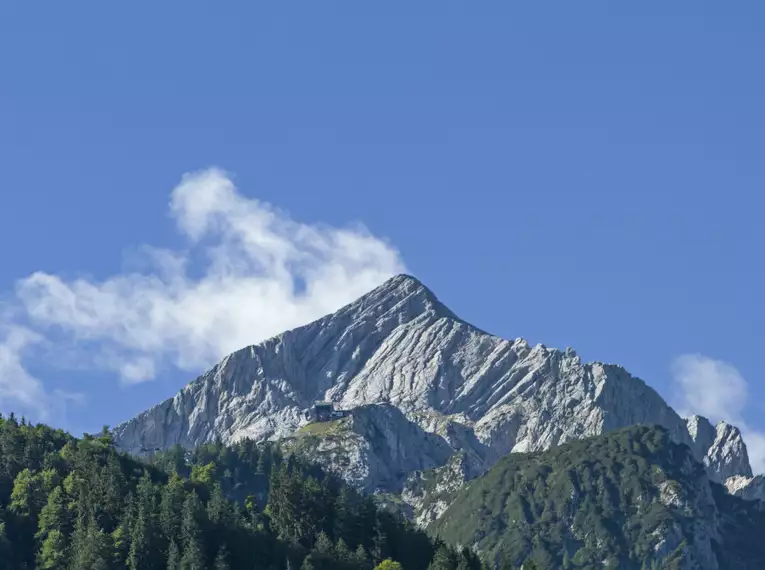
{"points": [[374, 448], [431, 385], [727, 456], [721, 448], [702, 433], [749, 488]]}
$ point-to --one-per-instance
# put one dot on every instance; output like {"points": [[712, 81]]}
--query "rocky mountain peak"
{"points": [[727, 456], [398, 346], [403, 294], [702, 432]]}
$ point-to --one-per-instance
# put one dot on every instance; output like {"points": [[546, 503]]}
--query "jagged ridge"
{"points": [[398, 345]]}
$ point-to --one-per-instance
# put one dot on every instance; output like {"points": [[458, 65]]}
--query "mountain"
{"points": [[630, 499], [425, 390]]}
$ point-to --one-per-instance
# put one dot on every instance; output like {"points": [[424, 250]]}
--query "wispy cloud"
{"points": [[248, 272], [717, 390], [16, 384]]}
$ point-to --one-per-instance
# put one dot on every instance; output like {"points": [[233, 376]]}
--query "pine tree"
{"points": [[53, 529], [369, 528], [284, 501], [140, 543], [101, 548], [53, 552], [121, 545], [193, 556], [324, 545], [221, 559], [143, 533], [171, 507], [342, 552], [218, 507], [54, 515], [79, 539], [173, 556], [111, 489], [360, 556], [344, 526], [6, 558], [91, 548], [254, 516], [27, 497], [443, 560]]}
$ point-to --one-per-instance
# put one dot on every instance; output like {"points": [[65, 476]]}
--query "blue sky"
{"points": [[579, 174]]}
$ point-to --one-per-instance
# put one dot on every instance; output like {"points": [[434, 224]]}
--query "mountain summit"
{"points": [[448, 389]]}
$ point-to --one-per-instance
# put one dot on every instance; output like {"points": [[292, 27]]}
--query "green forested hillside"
{"points": [[631, 499], [80, 505]]}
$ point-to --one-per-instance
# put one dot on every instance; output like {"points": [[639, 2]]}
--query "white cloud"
{"points": [[249, 272], [709, 387], [717, 390], [20, 391], [16, 384]]}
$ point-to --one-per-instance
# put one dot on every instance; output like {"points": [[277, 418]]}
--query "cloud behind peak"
{"points": [[248, 272]]}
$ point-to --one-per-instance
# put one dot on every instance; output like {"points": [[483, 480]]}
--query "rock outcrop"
{"points": [[721, 448], [454, 388], [375, 447]]}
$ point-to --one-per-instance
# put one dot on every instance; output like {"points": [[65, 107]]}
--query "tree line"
{"points": [[79, 504]]}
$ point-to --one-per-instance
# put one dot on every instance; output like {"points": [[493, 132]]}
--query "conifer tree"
{"points": [[171, 507], [143, 532], [53, 552], [111, 489], [54, 516], [443, 560], [221, 559], [27, 497], [218, 511], [120, 545], [324, 545], [6, 558], [342, 552], [193, 555], [360, 556], [173, 556], [79, 538], [140, 543], [90, 547], [344, 523]]}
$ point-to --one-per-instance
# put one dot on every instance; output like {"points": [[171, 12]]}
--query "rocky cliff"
{"points": [[444, 387]]}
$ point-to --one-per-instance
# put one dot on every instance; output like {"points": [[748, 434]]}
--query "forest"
{"points": [[80, 504]]}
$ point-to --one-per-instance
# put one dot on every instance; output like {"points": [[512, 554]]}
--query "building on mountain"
{"points": [[325, 411]]}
